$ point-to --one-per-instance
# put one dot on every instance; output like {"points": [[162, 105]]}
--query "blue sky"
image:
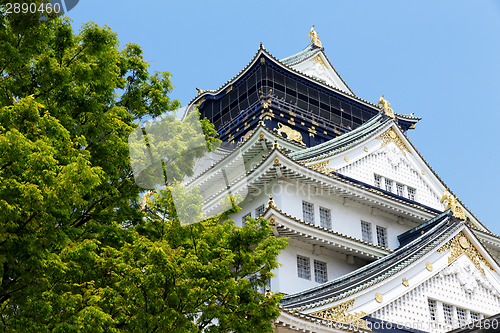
{"points": [[437, 59]]}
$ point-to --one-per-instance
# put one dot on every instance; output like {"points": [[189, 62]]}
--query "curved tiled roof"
{"points": [[305, 54], [444, 225], [336, 233], [345, 141]]}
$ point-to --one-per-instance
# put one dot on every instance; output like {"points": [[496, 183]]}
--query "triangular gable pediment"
{"points": [[315, 64], [383, 149], [457, 272]]}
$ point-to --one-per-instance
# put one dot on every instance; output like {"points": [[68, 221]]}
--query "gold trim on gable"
{"points": [[459, 245], [391, 136], [339, 313]]}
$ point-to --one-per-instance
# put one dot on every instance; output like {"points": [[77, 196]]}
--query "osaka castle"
{"points": [[377, 241]]}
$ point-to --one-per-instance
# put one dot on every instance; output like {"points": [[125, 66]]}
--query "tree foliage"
{"points": [[76, 252]]}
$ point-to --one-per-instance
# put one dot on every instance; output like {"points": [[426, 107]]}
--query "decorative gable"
{"points": [[457, 295], [318, 67]]}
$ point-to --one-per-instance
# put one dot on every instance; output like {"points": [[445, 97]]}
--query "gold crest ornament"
{"points": [[386, 107], [314, 37]]}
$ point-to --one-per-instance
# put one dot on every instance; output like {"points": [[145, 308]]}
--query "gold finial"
{"points": [[386, 107], [271, 203], [314, 37], [199, 91], [268, 292], [452, 203]]}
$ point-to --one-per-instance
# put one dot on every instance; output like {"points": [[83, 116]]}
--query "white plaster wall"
{"points": [[443, 288], [287, 280], [390, 162], [346, 214]]}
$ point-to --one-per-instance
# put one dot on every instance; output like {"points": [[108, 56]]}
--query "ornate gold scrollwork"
{"points": [[246, 136], [391, 136], [459, 245], [322, 167], [339, 313]]}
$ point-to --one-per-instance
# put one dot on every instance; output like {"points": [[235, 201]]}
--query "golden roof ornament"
{"points": [[271, 203], [452, 203], [314, 37], [386, 107], [199, 91]]}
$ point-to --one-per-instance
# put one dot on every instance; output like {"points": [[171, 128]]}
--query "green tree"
{"points": [[76, 253]]}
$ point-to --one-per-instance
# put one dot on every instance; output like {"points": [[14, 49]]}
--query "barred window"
{"points": [[474, 316], [448, 314], [325, 218], [432, 309], [366, 231], [308, 212], [259, 211], [411, 193], [303, 267], [388, 185], [244, 219], [400, 189], [382, 236], [378, 180], [320, 274], [462, 316]]}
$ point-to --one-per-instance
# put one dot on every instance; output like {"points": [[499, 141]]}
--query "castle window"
{"points": [[474, 316], [411, 193], [462, 316], [432, 309], [366, 231], [244, 219], [400, 189], [378, 180], [448, 314], [259, 211], [388, 185], [320, 274], [382, 236], [303, 267], [308, 212], [325, 218]]}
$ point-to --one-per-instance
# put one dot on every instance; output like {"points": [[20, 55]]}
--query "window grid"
{"points": [[308, 212], [378, 180], [461, 316], [432, 309], [448, 314], [259, 211], [325, 218], [244, 219], [366, 231], [388, 185], [303, 267], [411, 193], [400, 189], [320, 273], [382, 236], [474, 316]]}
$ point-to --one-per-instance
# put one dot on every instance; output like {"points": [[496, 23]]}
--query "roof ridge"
{"points": [[366, 269]]}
